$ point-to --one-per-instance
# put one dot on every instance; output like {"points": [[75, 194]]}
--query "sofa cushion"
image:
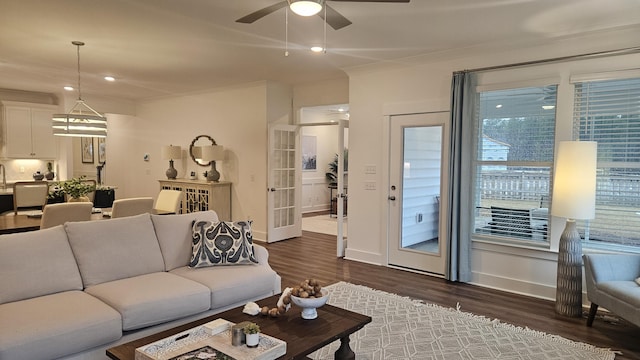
{"points": [[233, 284], [115, 249], [27, 269], [51, 326], [151, 299], [626, 291], [221, 243], [174, 235]]}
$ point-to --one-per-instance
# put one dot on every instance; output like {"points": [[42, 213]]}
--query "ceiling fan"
{"points": [[334, 19]]}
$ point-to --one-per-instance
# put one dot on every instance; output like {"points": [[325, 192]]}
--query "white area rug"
{"points": [[408, 329], [323, 224]]}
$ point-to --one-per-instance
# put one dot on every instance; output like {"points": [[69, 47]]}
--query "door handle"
{"points": [[271, 189], [392, 198]]}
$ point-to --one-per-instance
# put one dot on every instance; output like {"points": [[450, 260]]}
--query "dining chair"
{"points": [[168, 202], [131, 206], [29, 194], [58, 214]]}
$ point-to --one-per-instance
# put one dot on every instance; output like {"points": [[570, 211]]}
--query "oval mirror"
{"points": [[200, 140]]}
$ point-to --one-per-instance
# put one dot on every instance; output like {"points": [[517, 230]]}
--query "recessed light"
{"points": [[68, 88], [317, 49], [498, 106], [110, 78]]}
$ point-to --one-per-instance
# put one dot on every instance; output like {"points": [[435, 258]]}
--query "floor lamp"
{"points": [[574, 197]]}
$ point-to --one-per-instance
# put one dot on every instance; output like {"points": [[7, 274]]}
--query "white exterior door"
{"points": [[284, 184], [418, 161]]}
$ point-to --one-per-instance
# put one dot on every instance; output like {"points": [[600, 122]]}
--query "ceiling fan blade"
{"points": [[334, 18], [262, 13], [381, 1]]}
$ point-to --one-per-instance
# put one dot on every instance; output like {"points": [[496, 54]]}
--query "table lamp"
{"points": [[212, 153], [574, 197], [169, 153]]}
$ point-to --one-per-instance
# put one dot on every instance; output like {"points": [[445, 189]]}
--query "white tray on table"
{"points": [[216, 334]]}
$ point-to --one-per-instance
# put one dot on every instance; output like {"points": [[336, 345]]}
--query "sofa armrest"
{"points": [[261, 253], [611, 267]]}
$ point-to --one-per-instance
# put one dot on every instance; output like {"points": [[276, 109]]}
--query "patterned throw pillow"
{"points": [[221, 243]]}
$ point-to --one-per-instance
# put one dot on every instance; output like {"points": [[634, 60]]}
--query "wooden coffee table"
{"points": [[302, 336]]}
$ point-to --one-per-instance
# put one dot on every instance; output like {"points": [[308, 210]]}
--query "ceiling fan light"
{"points": [[306, 7]]}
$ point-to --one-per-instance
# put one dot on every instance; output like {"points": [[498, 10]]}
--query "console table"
{"points": [[201, 195]]}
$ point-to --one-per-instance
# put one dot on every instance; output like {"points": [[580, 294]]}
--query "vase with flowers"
{"points": [[76, 189], [49, 175]]}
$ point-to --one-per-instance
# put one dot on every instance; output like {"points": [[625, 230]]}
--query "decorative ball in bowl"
{"points": [[309, 305]]}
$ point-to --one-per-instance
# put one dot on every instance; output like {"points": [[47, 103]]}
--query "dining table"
{"points": [[20, 223]]}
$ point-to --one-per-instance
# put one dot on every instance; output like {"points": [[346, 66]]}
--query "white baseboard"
{"points": [[259, 236], [518, 286], [363, 256]]}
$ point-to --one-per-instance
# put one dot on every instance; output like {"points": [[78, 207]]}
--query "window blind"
{"points": [[515, 136], [608, 112]]}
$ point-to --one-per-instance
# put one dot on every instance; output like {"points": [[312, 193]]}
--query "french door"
{"points": [[283, 188], [418, 161]]}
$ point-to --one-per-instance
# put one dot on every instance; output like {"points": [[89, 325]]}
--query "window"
{"points": [[515, 134], [609, 112]]}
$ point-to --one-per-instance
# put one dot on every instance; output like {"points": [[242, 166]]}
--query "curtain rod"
{"points": [[593, 55]]}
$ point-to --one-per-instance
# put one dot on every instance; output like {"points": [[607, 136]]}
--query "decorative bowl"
{"points": [[309, 305]]}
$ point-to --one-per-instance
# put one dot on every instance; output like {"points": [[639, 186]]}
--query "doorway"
{"points": [[418, 156], [324, 146]]}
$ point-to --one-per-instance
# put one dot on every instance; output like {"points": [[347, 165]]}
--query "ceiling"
{"points": [[156, 48]]}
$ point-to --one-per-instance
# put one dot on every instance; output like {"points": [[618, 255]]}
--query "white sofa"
{"points": [[74, 290]]}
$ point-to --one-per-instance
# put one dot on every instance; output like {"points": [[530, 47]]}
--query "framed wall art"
{"points": [[309, 153], [86, 148], [102, 150]]}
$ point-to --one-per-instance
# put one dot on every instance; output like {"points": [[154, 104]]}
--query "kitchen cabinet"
{"points": [[200, 195], [27, 132]]}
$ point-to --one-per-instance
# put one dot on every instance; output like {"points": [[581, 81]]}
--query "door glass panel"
{"points": [[422, 153], [284, 171]]}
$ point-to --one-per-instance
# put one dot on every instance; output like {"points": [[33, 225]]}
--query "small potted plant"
{"points": [[252, 333], [76, 189]]}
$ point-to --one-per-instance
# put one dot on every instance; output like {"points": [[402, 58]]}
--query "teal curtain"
{"points": [[463, 98]]}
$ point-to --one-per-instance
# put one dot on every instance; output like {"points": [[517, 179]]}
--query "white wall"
{"points": [[423, 85], [235, 117]]}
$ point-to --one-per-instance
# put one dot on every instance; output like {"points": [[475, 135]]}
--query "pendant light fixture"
{"points": [[306, 7], [82, 120]]}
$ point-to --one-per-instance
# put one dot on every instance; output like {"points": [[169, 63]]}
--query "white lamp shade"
{"points": [[171, 152], [212, 153], [305, 7], [574, 184]]}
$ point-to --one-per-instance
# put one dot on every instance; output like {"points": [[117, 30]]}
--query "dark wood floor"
{"points": [[314, 255]]}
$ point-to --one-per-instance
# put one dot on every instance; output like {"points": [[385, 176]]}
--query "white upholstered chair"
{"points": [[168, 202], [131, 206], [58, 214], [29, 194]]}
